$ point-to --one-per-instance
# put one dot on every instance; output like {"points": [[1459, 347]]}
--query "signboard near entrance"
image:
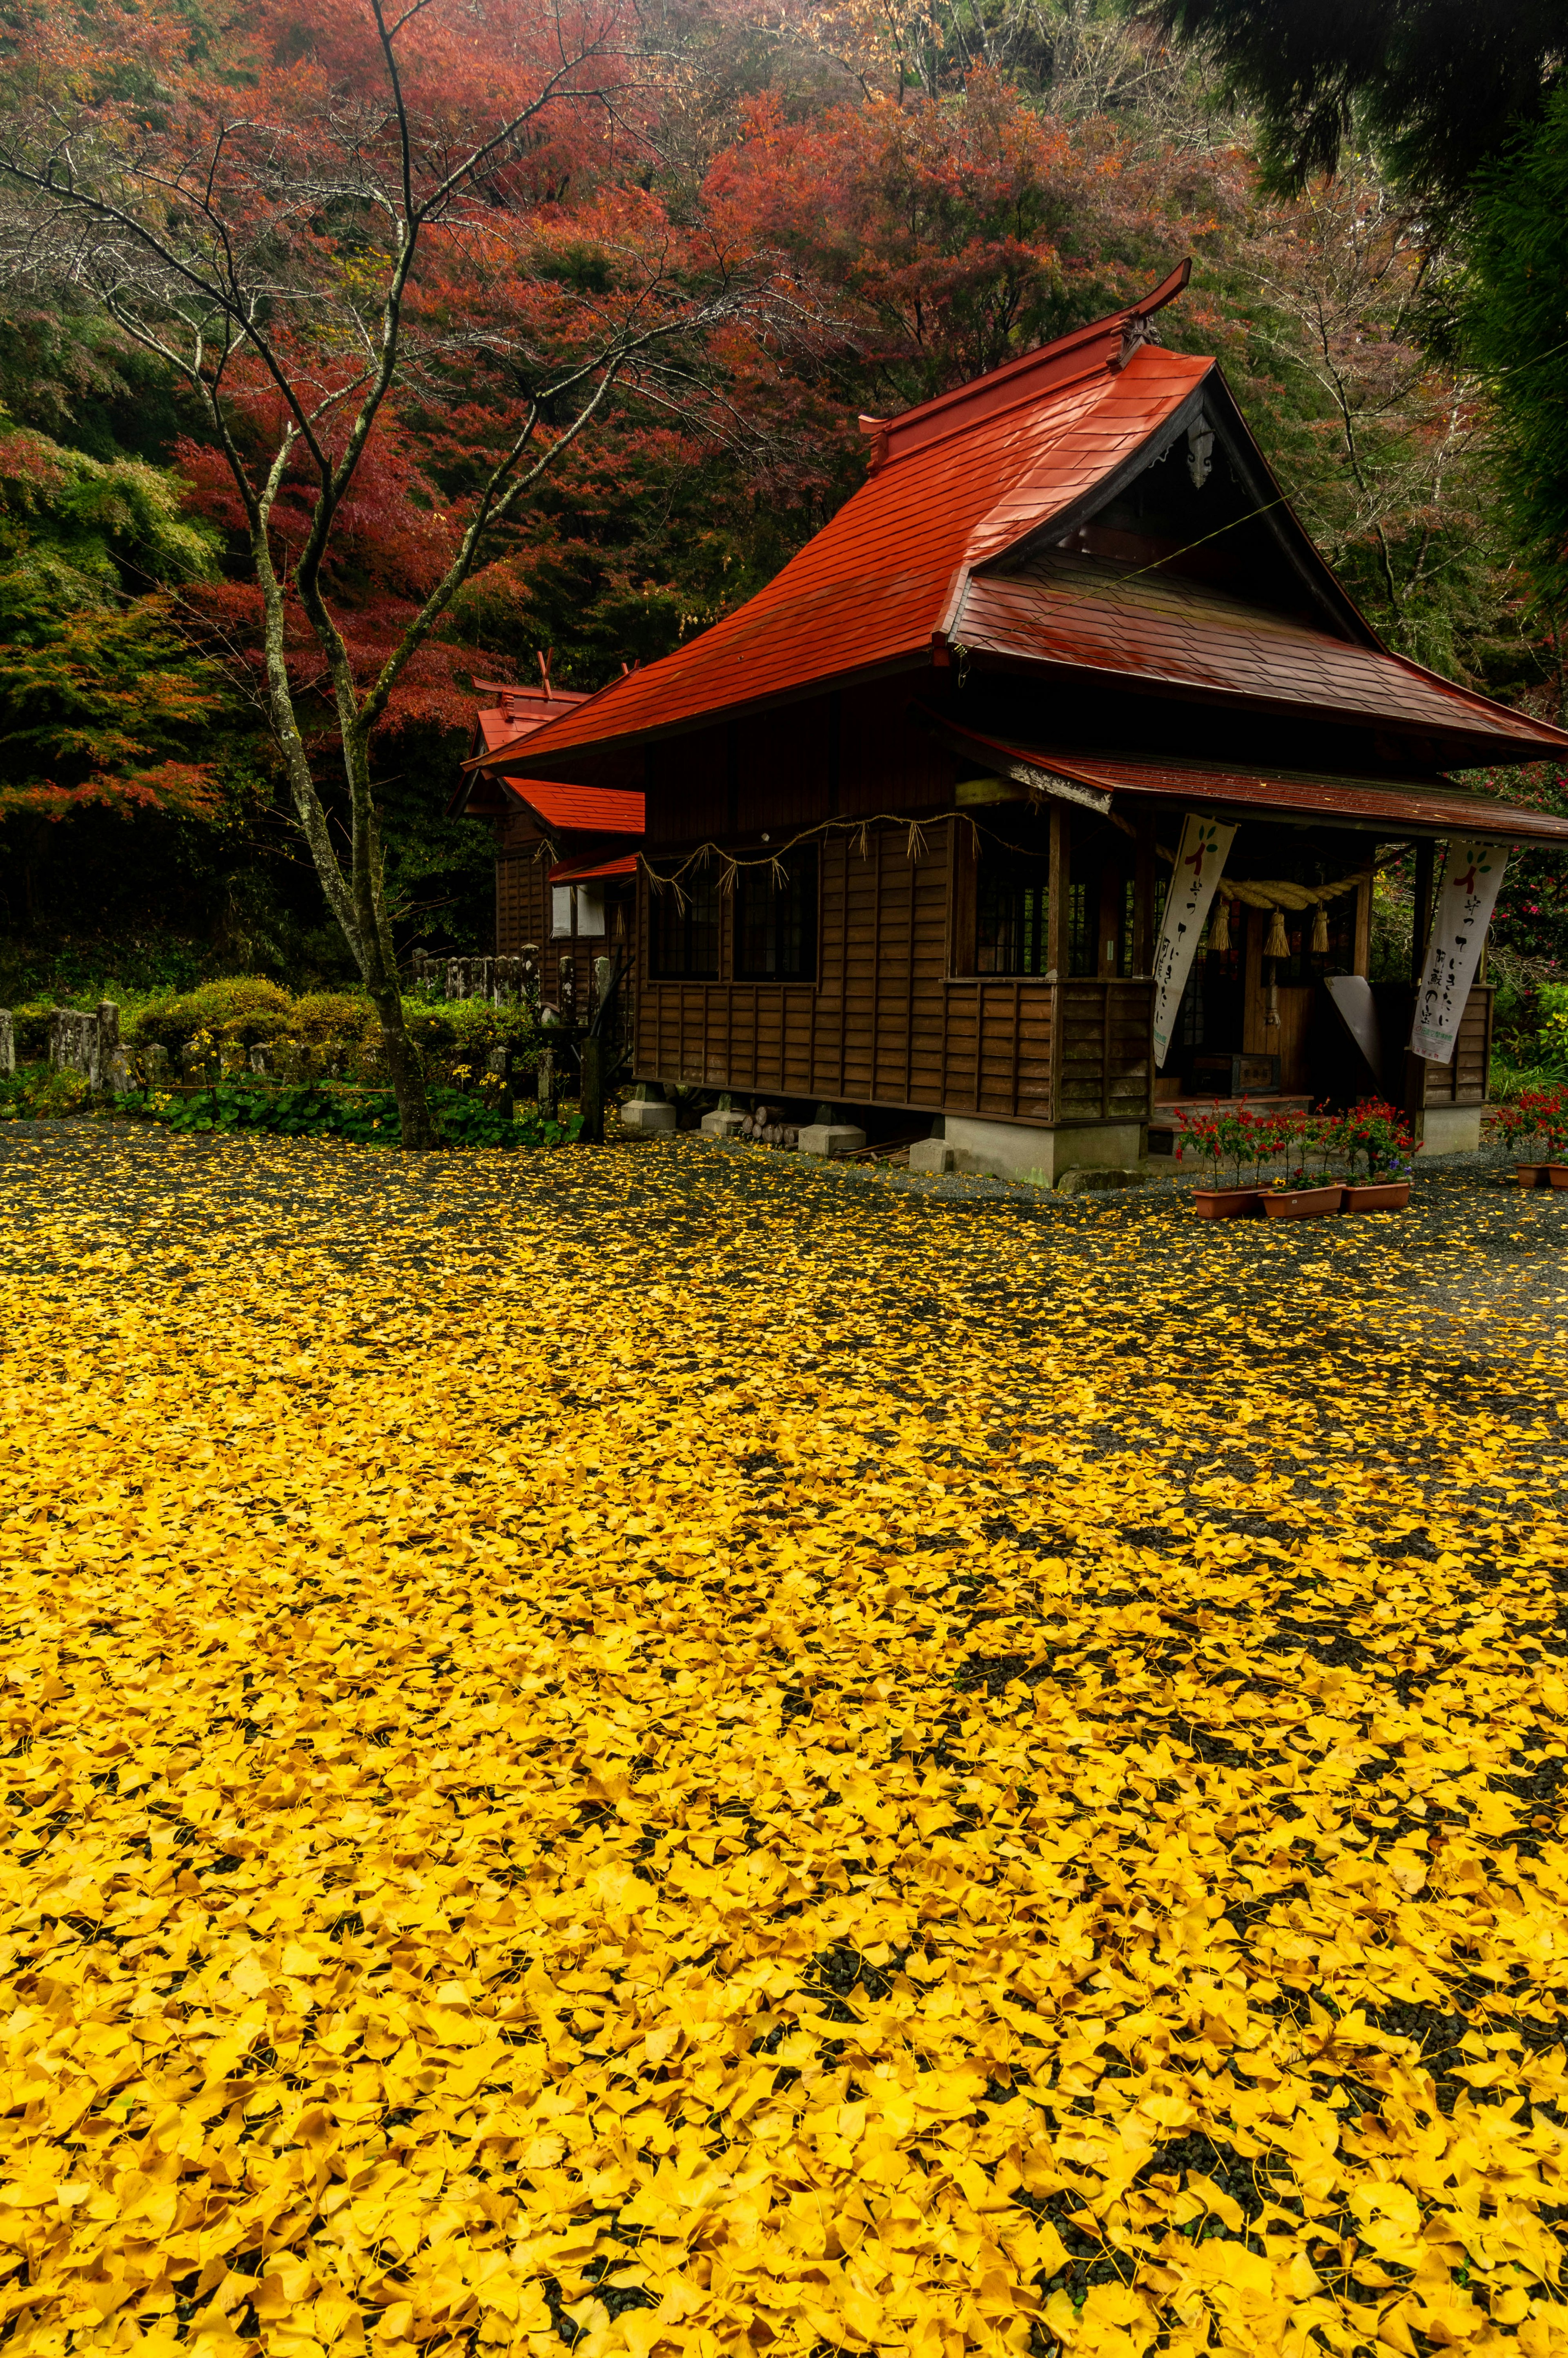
{"points": [[1472, 876], [1200, 863]]}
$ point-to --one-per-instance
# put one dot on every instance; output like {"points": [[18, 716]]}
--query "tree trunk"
{"points": [[406, 1071], [592, 1091]]}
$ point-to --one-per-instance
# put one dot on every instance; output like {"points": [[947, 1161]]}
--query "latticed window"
{"points": [[1082, 948], [683, 931], [1013, 928], [775, 923]]}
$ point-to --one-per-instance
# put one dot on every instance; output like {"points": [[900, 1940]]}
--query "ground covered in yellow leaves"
{"points": [[649, 1750]]}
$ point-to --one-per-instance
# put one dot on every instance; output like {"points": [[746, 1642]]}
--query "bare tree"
{"points": [[363, 236]]}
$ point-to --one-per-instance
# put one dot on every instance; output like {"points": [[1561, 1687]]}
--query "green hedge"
{"points": [[368, 1117], [322, 1034]]}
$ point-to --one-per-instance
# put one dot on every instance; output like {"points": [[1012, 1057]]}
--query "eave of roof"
{"points": [[577, 871], [1167, 630], [1426, 806]]}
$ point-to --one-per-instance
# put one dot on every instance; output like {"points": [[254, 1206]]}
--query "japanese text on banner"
{"points": [[1472, 876], [1200, 863]]}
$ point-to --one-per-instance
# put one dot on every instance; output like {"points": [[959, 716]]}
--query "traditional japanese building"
{"points": [[910, 812], [565, 856]]}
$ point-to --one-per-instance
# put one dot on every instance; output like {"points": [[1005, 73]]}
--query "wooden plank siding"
{"points": [[887, 1024], [522, 912], [1464, 1079]]}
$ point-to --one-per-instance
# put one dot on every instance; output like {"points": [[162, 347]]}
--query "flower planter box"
{"points": [[1377, 1195], [1532, 1175], [1302, 1203], [1556, 1174], [1226, 1203]]}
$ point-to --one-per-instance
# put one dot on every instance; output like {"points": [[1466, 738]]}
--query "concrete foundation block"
{"points": [[1080, 1182], [831, 1137], [638, 1113], [1451, 1130], [931, 1154], [1009, 1151], [723, 1124]]}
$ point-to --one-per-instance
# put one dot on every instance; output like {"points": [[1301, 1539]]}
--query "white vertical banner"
{"points": [[1472, 878], [1200, 863]]}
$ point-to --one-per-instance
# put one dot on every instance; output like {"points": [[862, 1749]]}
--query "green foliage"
{"points": [[1515, 320], [1554, 1026], [1439, 88], [244, 1007], [32, 1093], [103, 697], [365, 1118]]}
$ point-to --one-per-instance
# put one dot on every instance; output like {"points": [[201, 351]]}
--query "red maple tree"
{"points": [[396, 260]]}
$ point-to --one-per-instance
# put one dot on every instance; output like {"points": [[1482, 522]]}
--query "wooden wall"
{"points": [[522, 912], [888, 1025], [1463, 1081], [840, 755]]}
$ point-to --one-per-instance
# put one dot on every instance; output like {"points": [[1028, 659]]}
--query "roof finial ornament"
{"points": [[1200, 452], [1135, 332], [545, 655]]}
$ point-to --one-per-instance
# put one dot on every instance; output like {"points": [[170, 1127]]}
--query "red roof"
{"points": [[1168, 628], [517, 712], [574, 872], [579, 810], [1385, 804], [964, 481], [879, 582]]}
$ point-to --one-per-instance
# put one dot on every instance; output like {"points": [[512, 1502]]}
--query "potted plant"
{"points": [[1377, 1136], [1541, 1117], [1304, 1191], [1220, 1138]]}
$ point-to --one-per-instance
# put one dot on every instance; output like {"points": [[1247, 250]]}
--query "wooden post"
{"points": [[1361, 958], [1061, 863], [1143, 896], [548, 1080], [592, 1091], [1420, 930], [1056, 938]]}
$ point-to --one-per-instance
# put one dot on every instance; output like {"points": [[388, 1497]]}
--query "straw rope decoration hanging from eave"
{"points": [[1276, 895], [730, 863]]}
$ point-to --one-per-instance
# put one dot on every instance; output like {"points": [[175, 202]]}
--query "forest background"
{"points": [[939, 186]]}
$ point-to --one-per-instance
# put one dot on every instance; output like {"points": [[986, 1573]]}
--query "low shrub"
{"points": [[369, 1118], [32, 1093]]}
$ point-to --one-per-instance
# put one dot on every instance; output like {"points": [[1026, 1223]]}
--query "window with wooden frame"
{"points": [[683, 931], [776, 919], [1012, 910]]}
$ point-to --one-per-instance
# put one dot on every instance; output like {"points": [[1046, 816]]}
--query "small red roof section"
{"points": [[578, 810], [575, 871], [912, 565], [517, 712], [1382, 804]]}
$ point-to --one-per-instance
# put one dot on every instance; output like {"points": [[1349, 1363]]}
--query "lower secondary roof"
{"points": [[579, 810], [1431, 805], [576, 871]]}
